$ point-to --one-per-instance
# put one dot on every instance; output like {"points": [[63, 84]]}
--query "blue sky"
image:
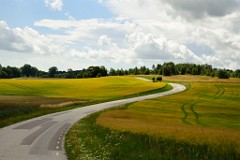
{"points": [[26, 12], [120, 34]]}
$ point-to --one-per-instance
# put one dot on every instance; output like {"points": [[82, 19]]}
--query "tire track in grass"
{"points": [[220, 92], [196, 115], [189, 108], [20, 86], [186, 119]]}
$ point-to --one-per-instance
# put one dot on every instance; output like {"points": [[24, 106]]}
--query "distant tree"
{"points": [[86, 74], [15, 72], [70, 73], [136, 71], [168, 69], [147, 71], [34, 72], [52, 71], [1, 71], [142, 70], [237, 73], [42, 74], [126, 72], [103, 71], [194, 71], [159, 69], [99, 75], [96, 71], [131, 71], [112, 72], [120, 72], [153, 69], [26, 70], [223, 74]]}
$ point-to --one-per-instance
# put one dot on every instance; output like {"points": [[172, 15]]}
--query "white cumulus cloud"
{"points": [[144, 32], [54, 4], [26, 40]]}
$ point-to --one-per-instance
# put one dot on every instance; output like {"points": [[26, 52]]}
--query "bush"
{"points": [[153, 79], [223, 74], [159, 79]]}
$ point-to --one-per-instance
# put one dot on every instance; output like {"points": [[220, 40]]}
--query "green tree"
{"points": [[52, 71], [0, 69], [168, 69], [112, 72], [223, 74], [136, 71], [26, 70]]}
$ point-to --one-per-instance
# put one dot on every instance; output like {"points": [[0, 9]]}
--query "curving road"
{"points": [[42, 138]]}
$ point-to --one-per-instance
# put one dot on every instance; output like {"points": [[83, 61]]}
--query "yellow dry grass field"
{"points": [[209, 112], [84, 89], [22, 99]]}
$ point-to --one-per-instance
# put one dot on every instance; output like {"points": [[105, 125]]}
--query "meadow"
{"points": [[200, 123], [22, 99]]}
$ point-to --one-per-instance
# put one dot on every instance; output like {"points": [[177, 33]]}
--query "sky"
{"points": [[75, 34]]}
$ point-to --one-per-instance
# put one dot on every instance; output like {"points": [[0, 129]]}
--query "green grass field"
{"points": [[21, 98], [84, 89], [200, 123]]}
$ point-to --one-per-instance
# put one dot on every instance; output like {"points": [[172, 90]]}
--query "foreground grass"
{"points": [[88, 140], [200, 123], [22, 99]]}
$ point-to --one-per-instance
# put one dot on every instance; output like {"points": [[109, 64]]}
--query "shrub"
{"points": [[159, 79]]}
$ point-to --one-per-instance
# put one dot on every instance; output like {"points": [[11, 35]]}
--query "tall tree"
{"points": [[26, 70], [52, 71], [112, 72], [168, 69], [0, 71], [223, 74]]}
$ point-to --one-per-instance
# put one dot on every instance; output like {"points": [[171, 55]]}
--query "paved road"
{"points": [[42, 138]]}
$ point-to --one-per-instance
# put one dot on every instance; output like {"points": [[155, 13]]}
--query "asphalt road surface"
{"points": [[42, 138]]}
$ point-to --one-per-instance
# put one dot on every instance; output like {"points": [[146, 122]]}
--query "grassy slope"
{"points": [[206, 118], [86, 89], [20, 98]]}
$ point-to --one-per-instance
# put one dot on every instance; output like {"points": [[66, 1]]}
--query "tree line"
{"points": [[166, 69]]}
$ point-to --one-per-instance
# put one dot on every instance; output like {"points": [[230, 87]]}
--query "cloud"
{"points": [[144, 32], [105, 41], [26, 40], [211, 27], [203, 8], [159, 38], [54, 4], [11, 39]]}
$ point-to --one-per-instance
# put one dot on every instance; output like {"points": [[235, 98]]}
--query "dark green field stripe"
{"points": [[184, 119], [20, 86]]}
